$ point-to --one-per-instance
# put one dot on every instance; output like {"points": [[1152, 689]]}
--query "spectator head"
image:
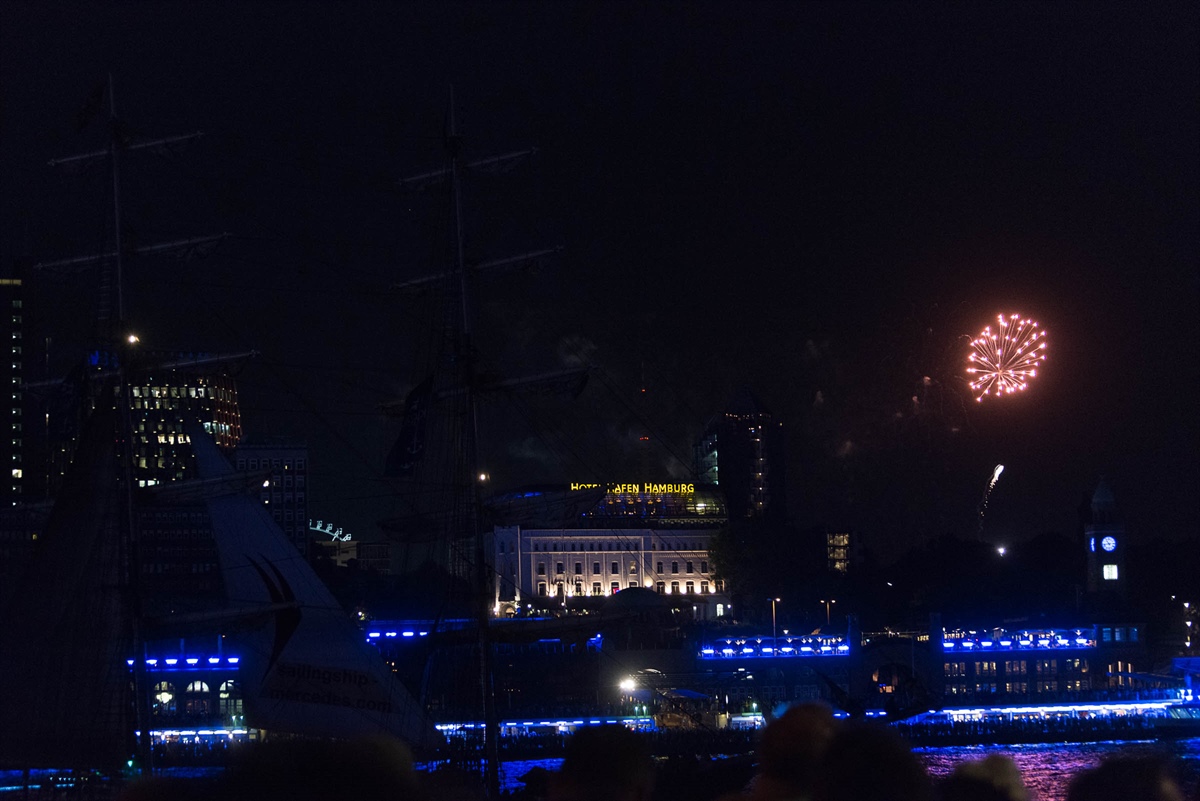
{"points": [[993, 778], [791, 750], [1146, 779], [604, 763], [866, 762]]}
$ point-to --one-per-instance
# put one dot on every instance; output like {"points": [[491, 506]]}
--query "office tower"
{"points": [[163, 404], [743, 451], [285, 485], [12, 445]]}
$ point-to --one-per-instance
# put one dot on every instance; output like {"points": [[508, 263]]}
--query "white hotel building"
{"points": [[574, 546]]}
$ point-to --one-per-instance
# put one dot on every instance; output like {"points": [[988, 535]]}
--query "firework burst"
{"points": [[1003, 361]]}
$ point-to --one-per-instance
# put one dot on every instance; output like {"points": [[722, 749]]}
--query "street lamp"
{"points": [[827, 605], [773, 635]]}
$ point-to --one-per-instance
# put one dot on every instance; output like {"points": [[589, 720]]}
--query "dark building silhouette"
{"points": [[12, 446], [285, 491], [743, 451], [1104, 539]]}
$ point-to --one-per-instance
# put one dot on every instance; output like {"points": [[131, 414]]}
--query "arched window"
{"points": [[229, 701], [164, 699], [196, 702]]}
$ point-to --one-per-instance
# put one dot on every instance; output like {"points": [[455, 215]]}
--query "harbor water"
{"points": [[1046, 768]]}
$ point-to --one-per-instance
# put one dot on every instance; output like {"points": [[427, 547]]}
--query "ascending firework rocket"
{"points": [[987, 494]]}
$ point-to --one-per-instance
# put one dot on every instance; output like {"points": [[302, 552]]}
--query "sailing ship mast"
{"points": [[464, 355], [90, 545], [89, 567], [79, 602], [460, 388]]}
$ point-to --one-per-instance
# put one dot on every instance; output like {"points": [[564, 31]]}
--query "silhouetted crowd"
{"points": [[803, 755]]}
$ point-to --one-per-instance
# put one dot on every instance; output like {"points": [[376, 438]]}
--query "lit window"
{"points": [[1110, 572]]}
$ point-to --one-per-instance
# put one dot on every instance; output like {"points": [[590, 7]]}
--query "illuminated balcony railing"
{"points": [[173, 664], [1026, 640], [774, 647], [375, 635]]}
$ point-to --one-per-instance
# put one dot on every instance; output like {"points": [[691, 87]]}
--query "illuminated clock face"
{"points": [[1109, 543]]}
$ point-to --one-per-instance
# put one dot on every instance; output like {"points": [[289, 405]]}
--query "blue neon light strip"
{"points": [[557, 724], [765, 648], [1095, 708], [192, 664], [1058, 644]]}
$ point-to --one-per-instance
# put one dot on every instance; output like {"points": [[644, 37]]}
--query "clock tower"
{"points": [[1104, 539]]}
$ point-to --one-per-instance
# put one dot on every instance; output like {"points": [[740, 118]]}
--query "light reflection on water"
{"points": [[1047, 769], [511, 772]]}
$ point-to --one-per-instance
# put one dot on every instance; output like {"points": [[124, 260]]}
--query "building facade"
{"points": [[655, 536], [177, 559], [12, 447], [380, 557], [743, 451], [839, 547], [285, 487], [162, 403]]}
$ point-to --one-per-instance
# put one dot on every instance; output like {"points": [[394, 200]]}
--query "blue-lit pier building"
{"points": [[195, 692], [946, 669], [629, 659], [1024, 664]]}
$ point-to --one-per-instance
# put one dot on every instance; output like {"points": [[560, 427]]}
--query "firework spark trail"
{"points": [[995, 476], [1005, 361], [987, 493]]}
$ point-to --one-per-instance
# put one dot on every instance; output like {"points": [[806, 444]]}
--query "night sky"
{"points": [[821, 201]]}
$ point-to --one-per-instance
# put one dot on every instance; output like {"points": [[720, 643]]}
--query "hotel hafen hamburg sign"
{"points": [[640, 489]]}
